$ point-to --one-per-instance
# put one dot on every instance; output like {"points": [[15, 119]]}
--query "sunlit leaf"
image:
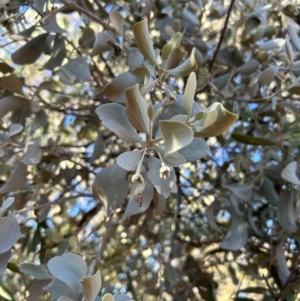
{"points": [[189, 93], [108, 297], [4, 258], [75, 71], [171, 45], [91, 286], [163, 186], [175, 57], [237, 234], [285, 211], [16, 180], [117, 20], [289, 173], [31, 51], [69, 268], [143, 40], [137, 109], [186, 67], [140, 198], [217, 120], [115, 90], [129, 160], [176, 134], [111, 186], [11, 103], [36, 271], [9, 232], [247, 139], [64, 298], [113, 116]]}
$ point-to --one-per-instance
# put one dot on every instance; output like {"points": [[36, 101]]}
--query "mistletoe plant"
{"points": [[163, 135]]}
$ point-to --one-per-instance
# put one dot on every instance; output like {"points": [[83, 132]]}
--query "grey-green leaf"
{"points": [[195, 151], [267, 75], [111, 186], [9, 232], [137, 109], [113, 116], [237, 234], [69, 268], [143, 40], [249, 67], [176, 134], [4, 258], [36, 271], [129, 160], [117, 20], [75, 71], [11, 103], [242, 191], [289, 173], [189, 93]]}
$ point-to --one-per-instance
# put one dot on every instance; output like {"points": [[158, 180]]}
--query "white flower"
{"points": [[164, 172], [137, 178]]}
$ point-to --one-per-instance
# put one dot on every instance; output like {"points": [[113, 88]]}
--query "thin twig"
{"points": [[102, 8], [222, 36], [99, 254], [88, 13], [149, 12]]}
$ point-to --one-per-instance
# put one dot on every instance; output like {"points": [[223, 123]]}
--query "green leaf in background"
{"points": [[247, 139], [143, 40], [176, 134]]}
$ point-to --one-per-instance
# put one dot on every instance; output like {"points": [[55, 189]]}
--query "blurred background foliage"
{"points": [[231, 231]]}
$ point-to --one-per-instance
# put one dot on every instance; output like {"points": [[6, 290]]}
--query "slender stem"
{"points": [[149, 12], [222, 36]]}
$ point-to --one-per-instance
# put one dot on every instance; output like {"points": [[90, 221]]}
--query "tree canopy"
{"points": [[149, 150]]}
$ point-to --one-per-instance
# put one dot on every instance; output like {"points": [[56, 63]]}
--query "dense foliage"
{"points": [[149, 150]]}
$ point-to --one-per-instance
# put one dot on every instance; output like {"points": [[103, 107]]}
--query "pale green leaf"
{"points": [[292, 32], [143, 40], [186, 67], [113, 116], [267, 75], [117, 20], [249, 67], [163, 186], [13, 84], [175, 57], [189, 93], [91, 286], [137, 109], [58, 288], [176, 134], [289, 173], [129, 160], [9, 232], [171, 45], [237, 234], [69, 268], [108, 297], [32, 153], [285, 211], [216, 121], [115, 90], [36, 271], [64, 298], [75, 71], [105, 183], [140, 198]]}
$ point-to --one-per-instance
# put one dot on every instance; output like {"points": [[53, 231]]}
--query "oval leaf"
{"points": [[189, 93], [195, 151], [129, 160], [117, 20], [248, 139], [11, 103], [13, 84], [31, 51], [249, 67], [289, 173], [113, 116], [143, 40], [9, 232], [267, 75], [176, 134]]}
